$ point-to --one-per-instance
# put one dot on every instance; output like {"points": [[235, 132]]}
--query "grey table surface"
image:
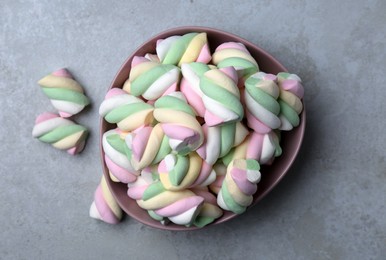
{"points": [[331, 205]]}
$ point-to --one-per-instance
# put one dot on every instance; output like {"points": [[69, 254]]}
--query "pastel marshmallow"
{"points": [[60, 132], [64, 92]]}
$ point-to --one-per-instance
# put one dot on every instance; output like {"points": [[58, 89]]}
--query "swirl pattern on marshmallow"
{"points": [[262, 108], [60, 132], [179, 123], [65, 94], [127, 111], [219, 140], [290, 100], [261, 147], [138, 187], [179, 172], [190, 85], [239, 185], [235, 54], [209, 211], [104, 206], [151, 79], [116, 157], [148, 146], [191, 47], [180, 207], [221, 97], [221, 171]]}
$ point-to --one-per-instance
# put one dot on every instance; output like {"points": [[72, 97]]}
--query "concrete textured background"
{"points": [[331, 205]]}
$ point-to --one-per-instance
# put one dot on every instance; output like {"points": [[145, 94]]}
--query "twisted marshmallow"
{"points": [[239, 185], [179, 172], [262, 107], [148, 146], [221, 97], [180, 207], [235, 54], [190, 85], [190, 47], [65, 94], [116, 157], [104, 206], [61, 133], [209, 211], [219, 140], [127, 111], [179, 123], [221, 171], [291, 93], [151, 79], [261, 147], [138, 187]]}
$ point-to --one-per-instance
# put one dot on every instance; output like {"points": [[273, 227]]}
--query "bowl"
{"points": [[271, 175]]}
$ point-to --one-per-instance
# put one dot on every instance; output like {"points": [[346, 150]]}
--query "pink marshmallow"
{"points": [[192, 97], [115, 92], [180, 206], [205, 55], [211, 119], [256, 124], [62, 73], [255, 146], [45, 116], [140, 141], [240, 178], [120, 173], [103, 208], [293, 86]]}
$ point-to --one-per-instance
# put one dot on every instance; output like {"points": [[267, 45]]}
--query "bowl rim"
{"points": [[176, 31]]}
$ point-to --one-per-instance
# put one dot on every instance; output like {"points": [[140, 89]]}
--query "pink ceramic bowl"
{"points": [[271, 175]]}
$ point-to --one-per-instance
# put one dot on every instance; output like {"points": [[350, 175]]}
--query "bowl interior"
{"points": [[271, 175]]}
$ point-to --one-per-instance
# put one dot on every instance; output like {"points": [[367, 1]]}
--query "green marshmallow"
{"points": [[228, 132], [145, 80], [178, 173], [66, 95], [229, 201], [261, 97], [222, 95], [115, 141], [163, 150], [153, 190], [289, 113], [199, 68], [178, 49], [62, 132], [201, 221], [252, 165], [174, 103], [248, 67], [120, 113]]}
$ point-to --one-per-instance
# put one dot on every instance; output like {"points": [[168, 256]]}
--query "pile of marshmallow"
{"points": [[191, 129], [67, 96]]}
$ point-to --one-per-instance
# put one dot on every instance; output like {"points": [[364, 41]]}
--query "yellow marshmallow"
{"points": [[110, 200], [52, 81], [136, 120], [69, 141], [195, 163], [194, 48], [226, 53], [164, 199]]}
